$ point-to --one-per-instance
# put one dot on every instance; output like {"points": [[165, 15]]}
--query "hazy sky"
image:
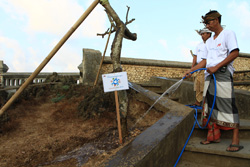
{"points": [[29, 30]]}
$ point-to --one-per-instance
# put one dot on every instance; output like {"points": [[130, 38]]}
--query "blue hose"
{"points": [[195, 116], [195, 71]]}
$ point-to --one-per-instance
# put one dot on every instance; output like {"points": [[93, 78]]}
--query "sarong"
{"points": [[199, 85], [213, 130], [225, 112]]}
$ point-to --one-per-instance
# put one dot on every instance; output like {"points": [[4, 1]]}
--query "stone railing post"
{"points": [[3, 69], [89, 66]]}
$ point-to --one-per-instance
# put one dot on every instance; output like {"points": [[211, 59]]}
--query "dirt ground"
{"points": [[45, 129]]}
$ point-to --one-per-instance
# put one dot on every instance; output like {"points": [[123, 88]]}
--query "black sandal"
{"points": [[234, 145]]}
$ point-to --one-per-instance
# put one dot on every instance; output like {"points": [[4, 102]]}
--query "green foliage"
{"points": [[65, 87], [58, 98], [4, 118]]}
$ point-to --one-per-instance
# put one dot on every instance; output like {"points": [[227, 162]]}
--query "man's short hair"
{"points": [[211, 15]]}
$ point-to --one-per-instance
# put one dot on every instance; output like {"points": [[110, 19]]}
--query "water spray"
{"points": [[169, 91]]}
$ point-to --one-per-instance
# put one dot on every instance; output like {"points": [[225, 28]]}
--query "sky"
{"points": [[30, 29]]}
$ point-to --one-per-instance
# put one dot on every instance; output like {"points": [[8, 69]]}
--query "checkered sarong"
{"points": [[225, 112]]}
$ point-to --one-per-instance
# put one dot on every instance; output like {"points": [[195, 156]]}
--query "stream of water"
{"points": [[168, 92]]}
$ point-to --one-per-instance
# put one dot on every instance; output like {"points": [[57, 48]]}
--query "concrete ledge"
{"points": [[241, 83], [244, 71], [244, 55], [150, 62], [160, 63], [160, 144]]}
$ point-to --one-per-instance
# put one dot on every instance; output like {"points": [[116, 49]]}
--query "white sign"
{"points": [[115, 81]]}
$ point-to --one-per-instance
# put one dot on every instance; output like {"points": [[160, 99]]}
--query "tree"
{"points": [[121, 31]]}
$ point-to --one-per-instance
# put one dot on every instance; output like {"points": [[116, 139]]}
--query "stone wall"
{"points": [[140, 73], [242, 73], [242, 63], [141, 70], [242, 76]]}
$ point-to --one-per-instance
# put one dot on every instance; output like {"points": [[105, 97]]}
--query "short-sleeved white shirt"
{"points": [[199, 51], [218, 49]]}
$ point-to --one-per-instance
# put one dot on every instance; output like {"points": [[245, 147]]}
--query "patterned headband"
{"points": [[210, 16]]}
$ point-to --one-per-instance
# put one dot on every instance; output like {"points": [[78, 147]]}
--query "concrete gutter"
{"points": [[160, 144]]}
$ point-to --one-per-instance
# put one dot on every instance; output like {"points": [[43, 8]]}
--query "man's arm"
{"points": [[233, 55], [202, 64]]}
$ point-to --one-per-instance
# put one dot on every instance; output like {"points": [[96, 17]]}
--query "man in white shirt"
{"points": [[221, 50], [197, 58]]}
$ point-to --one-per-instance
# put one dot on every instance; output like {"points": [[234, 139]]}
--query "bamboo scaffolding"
{"points": [[51, 54]]}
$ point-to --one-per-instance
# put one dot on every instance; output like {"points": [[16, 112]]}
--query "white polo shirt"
{"points": [[199, 51], [218, 49]]}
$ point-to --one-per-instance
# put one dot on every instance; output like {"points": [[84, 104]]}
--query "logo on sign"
{"points": [[115, 82]]}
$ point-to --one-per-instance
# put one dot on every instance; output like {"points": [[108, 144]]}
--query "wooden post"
{"points": [[51, 54], [192, 53], [118, 117]]}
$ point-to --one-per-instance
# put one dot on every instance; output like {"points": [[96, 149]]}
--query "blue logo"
{"points": [[115, 82]]}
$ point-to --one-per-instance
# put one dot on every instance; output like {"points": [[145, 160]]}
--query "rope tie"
{"points": [[104, 2]]}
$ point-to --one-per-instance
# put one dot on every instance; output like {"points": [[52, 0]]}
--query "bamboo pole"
{"points": [[192, 53], [51, 54], [103, 56], [193, 76]]}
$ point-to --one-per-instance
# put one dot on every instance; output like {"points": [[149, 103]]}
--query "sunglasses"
{"points": [[208, 22]]}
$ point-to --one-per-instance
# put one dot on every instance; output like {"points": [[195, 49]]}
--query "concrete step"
{"points": [[245, 82], [191, 164], [244, 131], [149, 84], [215, 154], [157, 89], [152, 87]]}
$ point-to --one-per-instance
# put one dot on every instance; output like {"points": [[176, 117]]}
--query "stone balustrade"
{"points": [[17, 79], [13, 79]]}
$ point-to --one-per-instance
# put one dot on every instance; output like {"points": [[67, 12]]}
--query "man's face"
{"points": [[212, 24], [205, 36]]}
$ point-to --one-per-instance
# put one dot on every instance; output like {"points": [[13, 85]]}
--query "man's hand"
{"points": [[212, 70], [188, 74]]}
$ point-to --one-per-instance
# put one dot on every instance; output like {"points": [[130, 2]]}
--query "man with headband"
{"points": [[221, 50], [197, 58]]}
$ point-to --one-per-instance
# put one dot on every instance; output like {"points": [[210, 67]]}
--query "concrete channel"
{"points": [[161, 144]]}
